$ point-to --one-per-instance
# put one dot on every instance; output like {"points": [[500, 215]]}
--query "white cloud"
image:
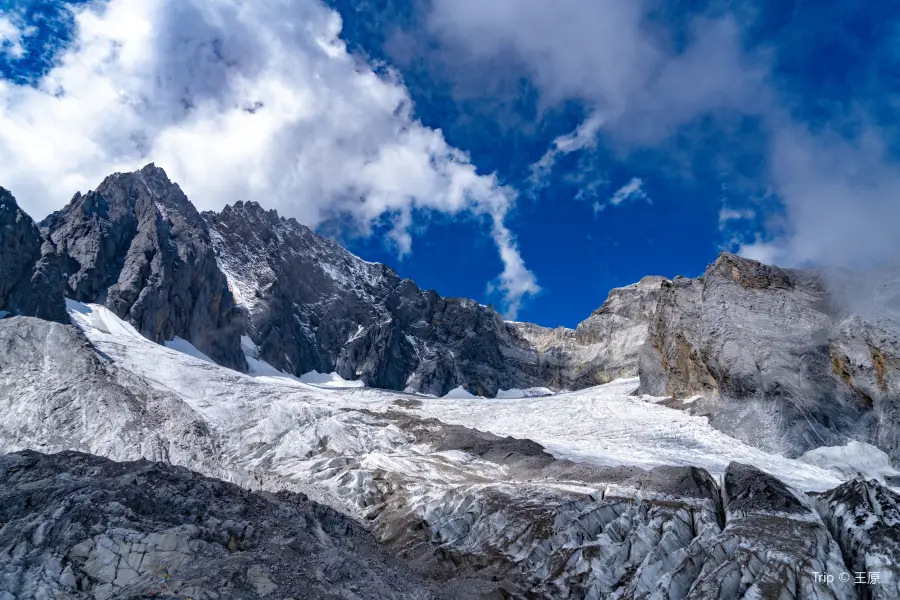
{"points": [[614, 57], [11, 36], [630, 192], [729, 215], [584, 136], [840, 199], [609, 54], [633, 191], [241, 100]]}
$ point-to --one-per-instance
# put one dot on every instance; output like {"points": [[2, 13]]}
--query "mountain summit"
{"points": [[137, 245]]}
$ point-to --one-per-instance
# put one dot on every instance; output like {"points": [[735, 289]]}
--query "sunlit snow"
{"points": [[288, 417]]}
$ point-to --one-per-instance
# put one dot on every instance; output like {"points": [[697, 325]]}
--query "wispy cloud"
{"points": [[11, 37], [256, 100], [727, 216], [836, 187], [633, 191]]}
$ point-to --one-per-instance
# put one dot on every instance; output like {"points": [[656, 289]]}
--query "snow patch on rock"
{"points": [[526, 393], [854, 458], [329, 380], [459, 393]]}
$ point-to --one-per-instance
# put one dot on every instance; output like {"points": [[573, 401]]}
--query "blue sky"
{"points": [[568, 147]]}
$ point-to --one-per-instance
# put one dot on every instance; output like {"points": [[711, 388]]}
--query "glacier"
{"points": [[600, 493]]}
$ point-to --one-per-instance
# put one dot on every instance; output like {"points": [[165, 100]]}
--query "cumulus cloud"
{"points": [[840, 199], [241, 100]]}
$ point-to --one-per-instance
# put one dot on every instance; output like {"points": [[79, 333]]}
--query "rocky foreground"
{"points": [[78, 526]]}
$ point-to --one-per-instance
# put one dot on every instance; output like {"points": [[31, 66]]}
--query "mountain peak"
{"points": [[749, 273]]}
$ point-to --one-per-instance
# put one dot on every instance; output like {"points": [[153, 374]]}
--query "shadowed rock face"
{"points": [[785, 362], [79, 527], [30, 275], [312, 305], [137, 245]]}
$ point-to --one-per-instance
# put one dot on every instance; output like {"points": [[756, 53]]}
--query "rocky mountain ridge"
{"points": [[784, 358], [787, 360], [605, 346], [137, 245], [30, 276]]}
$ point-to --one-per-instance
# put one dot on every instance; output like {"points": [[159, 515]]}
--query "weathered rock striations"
{"points": [[783, 360], [137, 245], [605, 346], [30, 275]]}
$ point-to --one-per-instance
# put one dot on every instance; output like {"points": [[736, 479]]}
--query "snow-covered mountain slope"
{"points": [[501, 513]]}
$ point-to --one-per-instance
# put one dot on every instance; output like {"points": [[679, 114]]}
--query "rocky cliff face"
{"points": [[137, 245], [311, 305], [783, 360], [81, 527], [605, 346], [30, 275]]}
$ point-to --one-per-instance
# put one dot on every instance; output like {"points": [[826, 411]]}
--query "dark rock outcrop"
{"points": [[312, 305], [783, 360], [30, 276], [78, 526], [137, 245]]}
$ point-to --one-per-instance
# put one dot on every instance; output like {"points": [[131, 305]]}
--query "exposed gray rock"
{"points": [[79, 526], [72, 397], [783, 361], [30, 277], [312, 305], [487, 516], [137, 245], [666, 533], [864, 517], [605, 346]]}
